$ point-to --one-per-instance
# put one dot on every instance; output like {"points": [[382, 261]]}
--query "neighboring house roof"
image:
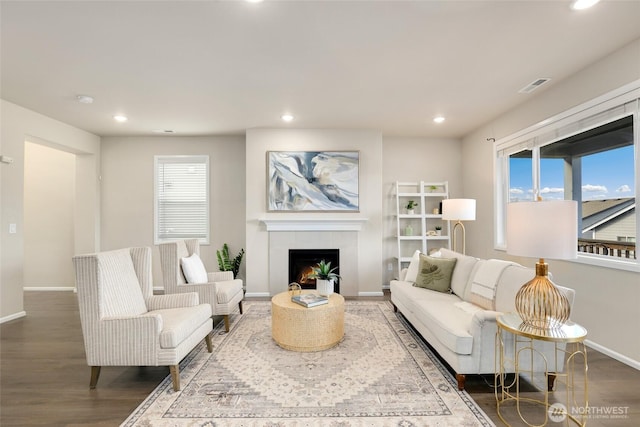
{"points": [[598, 212]]}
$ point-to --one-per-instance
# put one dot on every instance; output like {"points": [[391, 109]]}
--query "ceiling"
{"points": [[222, 67]]}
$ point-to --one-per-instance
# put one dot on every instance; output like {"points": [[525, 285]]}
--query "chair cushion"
{"points": [[193, 269], [225, 291], [179, 323], [121, 293]]}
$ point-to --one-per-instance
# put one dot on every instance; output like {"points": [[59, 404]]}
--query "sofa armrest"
{"points": [[159, 302]]}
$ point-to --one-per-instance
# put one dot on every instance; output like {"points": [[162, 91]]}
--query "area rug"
{"points": [[380, 374]]}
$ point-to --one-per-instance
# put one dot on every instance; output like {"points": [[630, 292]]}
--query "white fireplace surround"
{"points": [[335, 233], [314, 224]]}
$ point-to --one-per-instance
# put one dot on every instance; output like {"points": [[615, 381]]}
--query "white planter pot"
{"points": [[324, 287]]}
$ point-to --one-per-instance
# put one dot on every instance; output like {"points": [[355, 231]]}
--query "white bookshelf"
{"points": [[429, 196]]}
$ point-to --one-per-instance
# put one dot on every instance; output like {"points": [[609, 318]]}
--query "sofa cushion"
{"points": [[486, 281], [193, 269], [412, 270], [438, 312], [450, 324], [509, 284], [179, 323], [461, 278], [435, 273]]}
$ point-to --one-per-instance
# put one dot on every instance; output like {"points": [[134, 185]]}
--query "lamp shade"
{"points": [[459, 209], [543, 229]]}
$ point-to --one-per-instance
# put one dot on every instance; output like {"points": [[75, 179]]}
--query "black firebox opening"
{"points": [[301, 262]]}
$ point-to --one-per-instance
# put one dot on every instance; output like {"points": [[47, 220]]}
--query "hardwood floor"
{"points": [[44, 379]]}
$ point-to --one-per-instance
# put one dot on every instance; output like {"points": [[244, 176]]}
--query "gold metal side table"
{"points": [[519, 350]]}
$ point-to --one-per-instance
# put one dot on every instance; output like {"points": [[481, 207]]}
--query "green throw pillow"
{"points": [[435, 273]]}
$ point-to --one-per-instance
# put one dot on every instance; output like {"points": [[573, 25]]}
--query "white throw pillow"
{"points": [[414, 266], [193, 269]]}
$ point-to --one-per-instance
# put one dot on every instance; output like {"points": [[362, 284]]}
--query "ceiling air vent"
{"points": [[533, 85]]}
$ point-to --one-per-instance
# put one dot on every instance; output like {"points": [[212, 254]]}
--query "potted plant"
{"points": [[433, 188], [325, 277], [411, 204], [438, 230], [226, 263]]}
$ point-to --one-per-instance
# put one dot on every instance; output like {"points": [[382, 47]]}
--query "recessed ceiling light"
{"points": [[84, 99], [438, 119], [120, 118], [583, 4], [287, 117]]}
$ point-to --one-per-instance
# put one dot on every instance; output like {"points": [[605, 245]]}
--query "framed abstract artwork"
{"points": [[313, 181]]}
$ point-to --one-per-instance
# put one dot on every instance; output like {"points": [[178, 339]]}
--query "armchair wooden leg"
{"points": [[461, 378], [240, 306], [226, 323], [95, 374], [175, 377], [207, 339]]}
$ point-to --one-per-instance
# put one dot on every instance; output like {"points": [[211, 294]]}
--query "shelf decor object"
{"points": [[542, 229], [459, 210]]}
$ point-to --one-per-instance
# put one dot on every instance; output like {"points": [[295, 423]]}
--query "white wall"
{"points": [[127, 192], [18, 126], [369, 143], [415, 159], [49, 198], [607, 300]]}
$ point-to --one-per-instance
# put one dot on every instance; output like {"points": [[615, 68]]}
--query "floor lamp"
{"points": [[459, 210], [542, 229]]}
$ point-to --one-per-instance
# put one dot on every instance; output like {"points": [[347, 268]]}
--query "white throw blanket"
{"points": [[485, 282]]}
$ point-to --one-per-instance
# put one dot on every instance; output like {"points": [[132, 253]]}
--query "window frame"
{"points": [[624, 101], [196, 158]]}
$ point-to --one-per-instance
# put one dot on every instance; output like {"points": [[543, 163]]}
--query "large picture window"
{"points": [[589, 155], [181, 198]]}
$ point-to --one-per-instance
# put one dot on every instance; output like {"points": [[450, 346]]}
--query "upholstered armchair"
{"points": [[219, 289], [124, 324]]}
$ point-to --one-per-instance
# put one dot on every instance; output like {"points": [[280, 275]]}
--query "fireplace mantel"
{"points": [[314, 224]]}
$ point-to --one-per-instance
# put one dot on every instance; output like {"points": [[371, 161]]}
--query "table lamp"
{"points": [[542, 229], [459, 210]]}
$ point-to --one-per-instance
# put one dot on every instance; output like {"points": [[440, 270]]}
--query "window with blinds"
{"points": [[181, 198]]}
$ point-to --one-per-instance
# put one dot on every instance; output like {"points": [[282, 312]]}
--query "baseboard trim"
{"points": [[50, 288], [13, 316], [257, 294], [614, 354], [371, 294]]}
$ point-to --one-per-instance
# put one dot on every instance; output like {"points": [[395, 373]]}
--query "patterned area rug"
{"points": [[381, 374]]}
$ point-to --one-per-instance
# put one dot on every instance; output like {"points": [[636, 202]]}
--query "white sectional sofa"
{"points": [[461, 331]]}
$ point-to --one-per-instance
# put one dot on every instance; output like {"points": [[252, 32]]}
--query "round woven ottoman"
{"points": [[299, 328]]}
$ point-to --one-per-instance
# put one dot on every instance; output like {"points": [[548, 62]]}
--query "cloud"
{"points": [[593, 188], [516, 191], [623, 189], [547, 190]]}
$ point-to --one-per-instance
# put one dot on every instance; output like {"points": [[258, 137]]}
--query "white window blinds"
{"points": [[181, 198]]}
